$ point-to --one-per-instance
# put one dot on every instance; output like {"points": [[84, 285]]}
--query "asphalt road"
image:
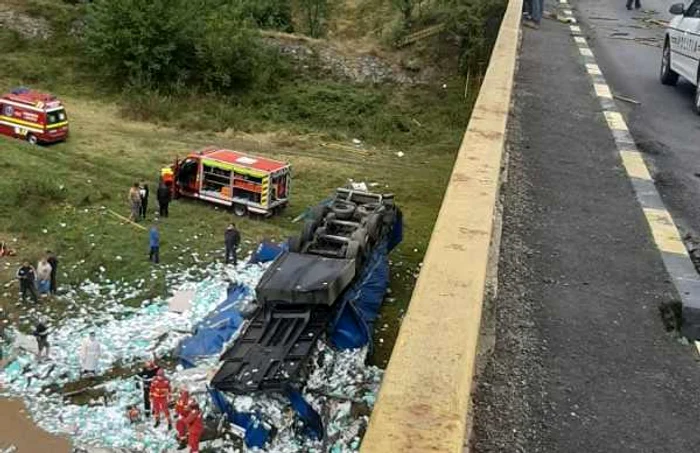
{"points": [[581, 361], [664, 124]]}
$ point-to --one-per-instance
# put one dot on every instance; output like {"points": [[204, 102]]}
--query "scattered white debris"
{"points": [[400, 154]]}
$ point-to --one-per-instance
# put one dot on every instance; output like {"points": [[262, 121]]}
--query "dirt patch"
{"points": [[18, 430]]}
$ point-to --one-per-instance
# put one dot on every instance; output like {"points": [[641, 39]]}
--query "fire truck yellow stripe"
{"points": [[57, 125], [21, 122], [265, 190]]}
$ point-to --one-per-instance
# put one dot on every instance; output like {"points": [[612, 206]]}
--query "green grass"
{"points": [[57, 197]]}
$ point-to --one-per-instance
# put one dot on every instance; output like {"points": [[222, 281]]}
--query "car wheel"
{"points": [[696, 102], [31, 138], [668, 75]]}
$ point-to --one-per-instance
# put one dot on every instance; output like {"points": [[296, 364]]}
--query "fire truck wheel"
{"points": [[343, 209], [352, 250], [31, 138], [240, 210]]}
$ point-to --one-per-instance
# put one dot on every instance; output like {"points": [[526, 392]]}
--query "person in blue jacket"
{"points": [[154, 242]]}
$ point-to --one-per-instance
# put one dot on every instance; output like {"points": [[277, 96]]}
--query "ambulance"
{"points": [[33, 116], [245, 183]]}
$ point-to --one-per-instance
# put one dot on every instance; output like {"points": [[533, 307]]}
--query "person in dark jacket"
{"points": [[163, 195], [231, 239], [146, 375], [41, 332], [53, 261], [143, 193], [27, 277], [637, 4]]}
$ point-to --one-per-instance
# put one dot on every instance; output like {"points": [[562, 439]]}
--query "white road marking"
{"points": [[593, 69], [585, 51], [580, 40], [575, 29], [602, 90]]}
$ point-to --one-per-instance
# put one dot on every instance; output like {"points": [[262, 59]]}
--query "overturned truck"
{"points": [[329, 283]]}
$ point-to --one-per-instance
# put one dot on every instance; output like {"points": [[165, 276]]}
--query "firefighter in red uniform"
{"points": [[195, 426], [182, 409], [160, 396]]}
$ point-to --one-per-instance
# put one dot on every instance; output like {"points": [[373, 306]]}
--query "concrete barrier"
{"points": [[425, 398]]}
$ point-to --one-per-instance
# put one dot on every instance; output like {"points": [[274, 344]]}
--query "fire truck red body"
{"points": [[230, 178], [33, 116]]}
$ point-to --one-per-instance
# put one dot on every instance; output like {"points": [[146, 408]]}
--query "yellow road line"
{"points": [[615, 121], [664, 231], [602, 90], [634, 164]]}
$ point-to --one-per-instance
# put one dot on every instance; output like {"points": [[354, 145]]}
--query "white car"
{"points": [[681, 54]]}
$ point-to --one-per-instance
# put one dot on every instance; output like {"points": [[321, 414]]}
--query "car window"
{"points": [[693, 10]]}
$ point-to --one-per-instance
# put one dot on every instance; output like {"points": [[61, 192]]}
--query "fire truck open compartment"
{"points": [[243, 182]]}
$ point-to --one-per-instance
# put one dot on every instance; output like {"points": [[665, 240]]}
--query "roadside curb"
{"points": [[425, 399]]}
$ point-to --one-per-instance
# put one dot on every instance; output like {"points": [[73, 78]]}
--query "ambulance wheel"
{"points": [[240, 210], [31, 138]]}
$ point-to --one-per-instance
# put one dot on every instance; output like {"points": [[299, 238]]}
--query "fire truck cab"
{"points": [[33, 116], [230, 178]]}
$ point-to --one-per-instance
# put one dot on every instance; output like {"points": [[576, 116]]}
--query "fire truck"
{"points": [[33, 116], [230, 178]]}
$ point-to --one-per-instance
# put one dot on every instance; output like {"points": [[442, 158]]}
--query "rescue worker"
{"points": [[182, 410], [90, 352], [53, 261], [160, 396], [143, 194], [231, 239], [149, 371], [27, 276], [134, 202], [154, 242], [163, 195], [195, 427]]}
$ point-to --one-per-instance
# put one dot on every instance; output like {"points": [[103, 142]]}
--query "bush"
{"points": [[275, 14], [169, 45]]}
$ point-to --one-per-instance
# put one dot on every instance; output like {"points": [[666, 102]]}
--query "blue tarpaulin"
{"points": [[256, 434], [313, 425], [214, 331], [359, 306], [267, 251]]}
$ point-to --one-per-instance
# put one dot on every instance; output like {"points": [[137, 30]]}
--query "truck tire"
{"points": [[307, 232], [360, 236], [374, 226], [31, 138], [352, 250], [240, 210], [343, 209], [667, 75], [294, 243]]}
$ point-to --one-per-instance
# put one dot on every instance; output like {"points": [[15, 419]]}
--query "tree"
{"points": [[315, 14]]}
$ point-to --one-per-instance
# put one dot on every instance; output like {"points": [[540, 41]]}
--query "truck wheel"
{"points": [[352, 250], [320, 232], [31, 138], [294, 244], [374, 225], [240, 210], [343, 209], [359, 236], [307, 232]]}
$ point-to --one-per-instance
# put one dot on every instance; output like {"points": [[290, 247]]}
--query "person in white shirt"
{"points": [[43, 275], [90, 352]]}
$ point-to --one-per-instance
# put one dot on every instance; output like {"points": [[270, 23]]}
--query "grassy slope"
{"points": [[107, 152]]}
